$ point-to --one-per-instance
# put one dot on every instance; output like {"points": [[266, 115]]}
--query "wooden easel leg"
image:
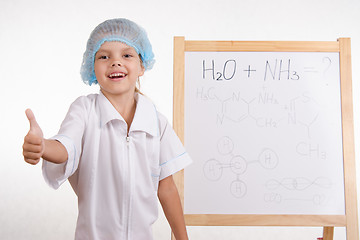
{"points": [[328, 233]]}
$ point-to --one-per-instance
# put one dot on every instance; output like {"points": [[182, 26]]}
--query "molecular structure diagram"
{"points": [[265, 110], [214, 169], [297, 184]]}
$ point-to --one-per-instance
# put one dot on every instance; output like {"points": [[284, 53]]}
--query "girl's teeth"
{"points": [[117, 75]]}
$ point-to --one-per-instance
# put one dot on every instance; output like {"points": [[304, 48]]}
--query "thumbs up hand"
{"points": [[34, 145]]}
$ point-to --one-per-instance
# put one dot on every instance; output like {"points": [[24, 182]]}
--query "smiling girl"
{"points": [[117, 151]]}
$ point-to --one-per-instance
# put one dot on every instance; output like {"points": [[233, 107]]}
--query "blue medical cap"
{"points": [[121, 30]]}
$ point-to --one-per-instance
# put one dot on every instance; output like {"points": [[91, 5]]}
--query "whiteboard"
{"points": [[264, 131]]}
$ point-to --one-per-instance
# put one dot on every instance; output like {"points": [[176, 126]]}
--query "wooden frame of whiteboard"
{"points": [[342, 46]]}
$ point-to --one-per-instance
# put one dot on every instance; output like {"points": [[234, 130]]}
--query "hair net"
{"points": [[121, 30]]}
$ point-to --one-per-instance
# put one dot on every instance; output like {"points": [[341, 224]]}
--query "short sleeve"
{"points": [[173, 156], [70, 135]]}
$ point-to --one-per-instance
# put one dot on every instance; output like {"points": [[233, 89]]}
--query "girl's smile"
{"points": [[117, 76]]}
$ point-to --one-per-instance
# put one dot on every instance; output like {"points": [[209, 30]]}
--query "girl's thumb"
{"points": [[34, 126]]}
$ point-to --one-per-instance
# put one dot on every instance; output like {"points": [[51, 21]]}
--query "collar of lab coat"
{"points": [[145, 118]]}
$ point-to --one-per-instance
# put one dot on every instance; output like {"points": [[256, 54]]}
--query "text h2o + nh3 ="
{"points": [[277, 69]]}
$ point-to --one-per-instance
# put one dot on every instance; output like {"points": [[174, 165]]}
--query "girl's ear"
{"points": [[142, 67], [142, 71]]}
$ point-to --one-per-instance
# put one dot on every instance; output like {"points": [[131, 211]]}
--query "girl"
{"points": [[114, 147]]}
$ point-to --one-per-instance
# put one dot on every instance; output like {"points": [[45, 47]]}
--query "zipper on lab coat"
{"points": [[129, 195]]}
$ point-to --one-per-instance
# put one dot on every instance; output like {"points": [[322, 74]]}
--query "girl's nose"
{"points": [[116, 63]]}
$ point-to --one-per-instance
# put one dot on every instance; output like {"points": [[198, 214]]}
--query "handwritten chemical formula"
{"points": [[213, 168], [264, 130], [302, 110], [277, 69]]}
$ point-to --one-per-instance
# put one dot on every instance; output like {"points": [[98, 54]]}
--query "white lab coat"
{"points": [[115, 175]]}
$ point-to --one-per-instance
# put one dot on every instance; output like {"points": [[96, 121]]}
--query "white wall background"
{"points": [[41, 47]]}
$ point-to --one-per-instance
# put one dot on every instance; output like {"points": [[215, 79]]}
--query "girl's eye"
{"points": [[103, 57], [127, 56]]}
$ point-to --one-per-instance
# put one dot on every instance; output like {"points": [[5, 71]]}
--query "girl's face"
{"points": [[117, 67]]}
